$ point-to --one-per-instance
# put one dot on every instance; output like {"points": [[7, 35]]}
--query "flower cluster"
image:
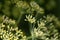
{"points": [[40, 29], [10, 31], [36, 7], [22, 4], [45, 30], [30, 19], [31, 7]]}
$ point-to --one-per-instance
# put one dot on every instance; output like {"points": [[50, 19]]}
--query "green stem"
{"points": [[20, 16], [32, 30]]}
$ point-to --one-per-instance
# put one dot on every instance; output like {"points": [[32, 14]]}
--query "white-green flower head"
{"points": [[22, 4], [30, 19], [36, 7], [34, 4]]}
